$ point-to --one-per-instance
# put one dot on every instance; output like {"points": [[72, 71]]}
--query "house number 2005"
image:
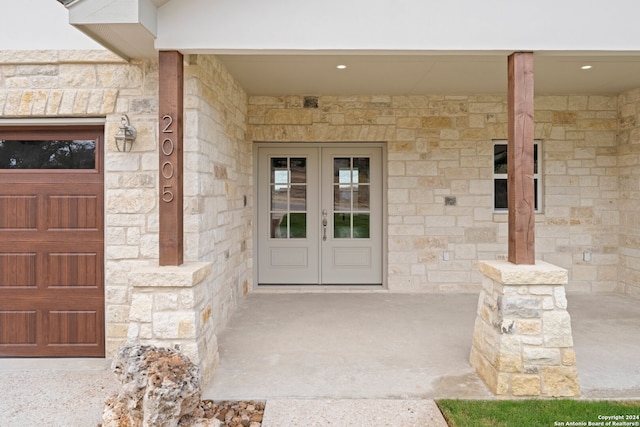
{"points": [[166, 170]]}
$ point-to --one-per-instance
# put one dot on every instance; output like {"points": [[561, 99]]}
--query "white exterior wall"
{"points": [[39, 25], [408, 25]]}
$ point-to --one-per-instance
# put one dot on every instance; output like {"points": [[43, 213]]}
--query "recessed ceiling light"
{"points": [[341, 67], [586, 67]]}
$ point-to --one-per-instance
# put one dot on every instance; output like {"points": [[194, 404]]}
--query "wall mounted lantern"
{"points": [[126, 134]]}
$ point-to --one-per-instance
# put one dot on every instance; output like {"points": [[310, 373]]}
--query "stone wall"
{"points": [[441, 147], [218, 189], [629, 163]]}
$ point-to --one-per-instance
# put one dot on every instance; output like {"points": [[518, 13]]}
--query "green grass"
{"points": [[537, 413]]}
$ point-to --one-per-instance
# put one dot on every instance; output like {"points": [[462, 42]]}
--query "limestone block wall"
{"points": [[629, 164], [217, 197], [439, 179], [218, 183]]}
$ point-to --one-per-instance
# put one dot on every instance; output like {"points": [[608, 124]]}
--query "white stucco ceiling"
{"points": [[428, 73]]}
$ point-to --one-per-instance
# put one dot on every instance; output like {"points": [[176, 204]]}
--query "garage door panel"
{"points": [[73, 270], [18, 270], [52, 265], [68, 212], [23, 330], [18, 212], [52, 298], [69, 327]]}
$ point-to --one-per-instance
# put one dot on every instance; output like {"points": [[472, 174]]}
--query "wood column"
{"points": [[171, 77], [520, 186]]}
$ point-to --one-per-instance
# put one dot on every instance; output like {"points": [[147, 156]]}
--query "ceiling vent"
{"points": [[310, 102]]}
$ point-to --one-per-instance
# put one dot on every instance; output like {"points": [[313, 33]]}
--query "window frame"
{"points": [[49, 132], [537, 177]]}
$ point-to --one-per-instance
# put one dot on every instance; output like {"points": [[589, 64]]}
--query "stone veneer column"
{"points": [[169, 307], [522, 342]]}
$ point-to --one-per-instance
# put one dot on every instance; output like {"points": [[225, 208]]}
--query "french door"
{"points": [[319, 215]]}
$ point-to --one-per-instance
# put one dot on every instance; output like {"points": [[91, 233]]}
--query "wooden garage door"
{"points": [[51, 242]]}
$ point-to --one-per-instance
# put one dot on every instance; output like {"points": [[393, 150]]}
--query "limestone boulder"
{"points": [[160, 387]]}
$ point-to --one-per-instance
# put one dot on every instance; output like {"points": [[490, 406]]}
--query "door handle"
{"points": [[324, 224]]}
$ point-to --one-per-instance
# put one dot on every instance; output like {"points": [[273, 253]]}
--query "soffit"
{"points": [[454, 74]]}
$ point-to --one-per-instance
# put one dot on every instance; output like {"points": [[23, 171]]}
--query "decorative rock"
{"points": [[160, 387]]}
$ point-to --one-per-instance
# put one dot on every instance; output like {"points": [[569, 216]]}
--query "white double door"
{"points": [[319, 215]]}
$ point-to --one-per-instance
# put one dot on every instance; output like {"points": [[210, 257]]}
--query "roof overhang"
{"points": [[126, 27]]}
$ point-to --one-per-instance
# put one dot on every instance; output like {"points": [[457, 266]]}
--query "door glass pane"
{"points": [[361, 169], [361, 226], [278, 226], [288, 201], [298, 225], [342, 225], [279, 198], [298, 198], [361, 198], [341, 170], [298, 170], [341, 198], [48, 154], [279, 170], [351, 193]]}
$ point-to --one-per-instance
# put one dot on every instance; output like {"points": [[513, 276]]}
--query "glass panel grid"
{"points": [[351, 197], [288, 198]]}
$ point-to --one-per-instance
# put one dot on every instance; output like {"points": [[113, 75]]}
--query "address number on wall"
{"points": [[167, 169]]}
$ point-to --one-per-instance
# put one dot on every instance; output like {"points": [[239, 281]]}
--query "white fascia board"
{"points": [[405, 25], [127, 27]]}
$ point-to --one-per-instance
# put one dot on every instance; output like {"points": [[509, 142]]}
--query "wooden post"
{"points": [[171, 77], [520, 186]]}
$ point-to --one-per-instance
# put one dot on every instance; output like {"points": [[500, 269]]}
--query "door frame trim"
{"points": [[254, 230]]}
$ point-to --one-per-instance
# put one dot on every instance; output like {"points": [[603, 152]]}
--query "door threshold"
{"points": [[266, 289]]}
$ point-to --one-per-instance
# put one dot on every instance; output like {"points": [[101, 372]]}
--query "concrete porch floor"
{"points": [[315, 357], [400, 346]]}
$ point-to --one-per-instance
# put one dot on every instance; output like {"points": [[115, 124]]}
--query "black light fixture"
{"points": [[126, 134]]}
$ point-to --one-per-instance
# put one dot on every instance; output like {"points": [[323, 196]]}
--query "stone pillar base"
{"points": [[522, 341], [169, 309]]}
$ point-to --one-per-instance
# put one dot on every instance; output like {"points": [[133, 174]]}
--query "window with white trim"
{"points": [[500, 198]]}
